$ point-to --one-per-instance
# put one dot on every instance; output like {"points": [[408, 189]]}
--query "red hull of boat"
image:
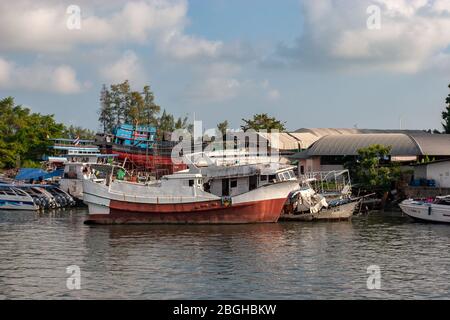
{"points": [[212, 212], [151, 162]]}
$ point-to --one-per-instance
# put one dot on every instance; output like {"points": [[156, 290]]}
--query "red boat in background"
{"points": [[139, 149]]}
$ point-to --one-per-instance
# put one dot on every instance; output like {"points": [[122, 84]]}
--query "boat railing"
{"points": [[337, 181], [158, 199], [228, 158]]}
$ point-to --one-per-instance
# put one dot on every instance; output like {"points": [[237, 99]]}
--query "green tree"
{"points": [[263, 121], [120, 98], [150, 109], [24, 135], [222, 127], [166, 122], [120, 105], [136, 111], [446, 114], [72, 132], [106, 115], [372, 168]]}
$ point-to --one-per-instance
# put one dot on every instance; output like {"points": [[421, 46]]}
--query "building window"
{"points": [[332, 160]]}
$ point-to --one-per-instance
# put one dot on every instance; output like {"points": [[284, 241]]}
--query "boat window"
{"points": [[252, 183], [263, 177], [225, 187], [191, 183], [20, 192], [233, 183], [272, 177], [9, 192]]}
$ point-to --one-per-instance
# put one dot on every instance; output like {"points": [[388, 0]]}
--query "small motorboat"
{"points": [[436, 210], [12, 198]]}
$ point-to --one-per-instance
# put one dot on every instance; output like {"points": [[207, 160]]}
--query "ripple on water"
{"points": [[269, 261]]}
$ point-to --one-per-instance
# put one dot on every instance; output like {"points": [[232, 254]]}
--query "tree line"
{"points": [[24, 135], [120, 104]]}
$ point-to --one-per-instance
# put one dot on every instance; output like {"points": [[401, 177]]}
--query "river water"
{"points": [[288, 260]]}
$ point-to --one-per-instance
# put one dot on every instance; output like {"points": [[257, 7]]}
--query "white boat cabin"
{"points": [[229, 181]]}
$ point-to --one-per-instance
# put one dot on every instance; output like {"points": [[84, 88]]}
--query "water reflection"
{"points": [[265, 261]]}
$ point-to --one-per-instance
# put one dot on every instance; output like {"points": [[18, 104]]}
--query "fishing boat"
{"points": [[436, 210], [12, 198], [250, 193], [138, 146]]}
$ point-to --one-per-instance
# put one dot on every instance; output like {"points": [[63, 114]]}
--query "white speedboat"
{"points": [[12, 198], [435, 211]]}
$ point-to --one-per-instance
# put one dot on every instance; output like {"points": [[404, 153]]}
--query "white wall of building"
{"points": [[440, 172]]}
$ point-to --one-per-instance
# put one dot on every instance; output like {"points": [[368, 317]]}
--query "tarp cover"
{"points": [[36, 174]]}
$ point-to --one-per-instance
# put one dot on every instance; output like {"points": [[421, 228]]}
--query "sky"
{"points": [[310, 63]]}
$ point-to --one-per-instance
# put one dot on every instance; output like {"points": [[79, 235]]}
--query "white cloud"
{"points": [[273, 94], [441, 6], [219, 82], [41, 27], [64, 80], [126, 67], [5, 72], [212, 90], [39, 77], [183, 47], [413, 32]]}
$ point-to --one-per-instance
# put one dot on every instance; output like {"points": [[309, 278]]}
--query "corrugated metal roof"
{"points": [[433, 144], [306, 139], [290, 140], [285, 141], [348, 145], [322, 132]]}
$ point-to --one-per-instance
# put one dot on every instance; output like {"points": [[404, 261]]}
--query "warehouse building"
{"points": [[330, 152]]}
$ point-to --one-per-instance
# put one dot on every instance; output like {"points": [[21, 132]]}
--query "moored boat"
{"points": [[206, 195], [437, 210], [339, 210], [12, 198]]}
